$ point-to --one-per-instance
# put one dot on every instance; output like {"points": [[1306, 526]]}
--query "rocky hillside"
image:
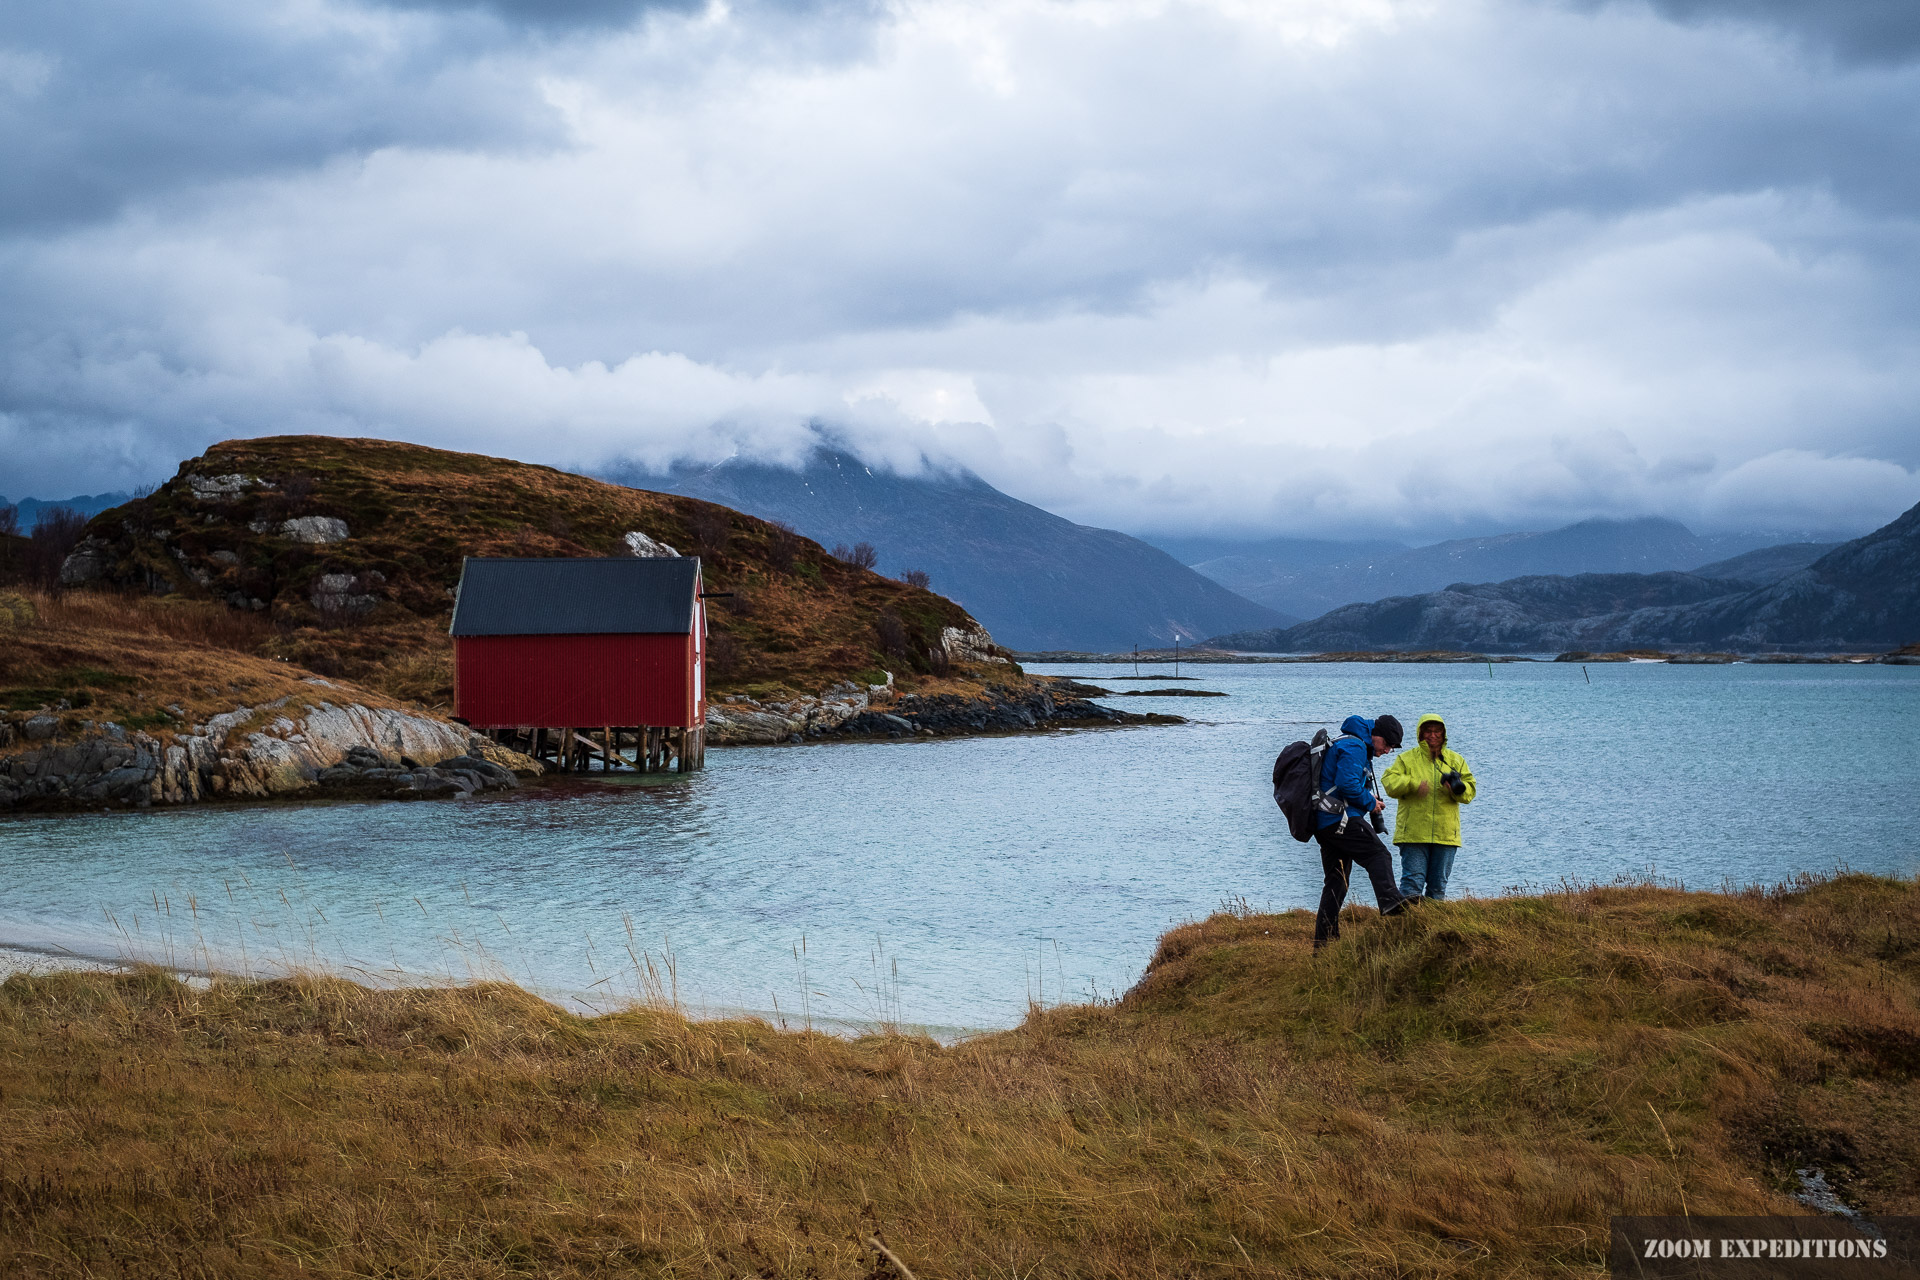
{"points": [[348, 552], [1863, 596]]}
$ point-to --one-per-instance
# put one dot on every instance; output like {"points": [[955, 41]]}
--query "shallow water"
{"points": [[945, 883]]}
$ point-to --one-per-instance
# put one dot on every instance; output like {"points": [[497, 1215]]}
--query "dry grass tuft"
{"points": [[1468, 1092]]}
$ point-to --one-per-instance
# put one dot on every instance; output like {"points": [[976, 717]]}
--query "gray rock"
{"points": [[318, 530], [220, 488], [86, 563], [41, 728]]}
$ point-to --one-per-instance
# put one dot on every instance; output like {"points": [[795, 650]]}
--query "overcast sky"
{"points": [[1260, 266]]}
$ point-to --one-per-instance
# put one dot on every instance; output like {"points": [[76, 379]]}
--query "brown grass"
{"points": [[128, 658], [1467, 1092]]}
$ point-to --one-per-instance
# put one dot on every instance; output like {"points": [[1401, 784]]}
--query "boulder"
{"points": [[86, 563], [318, 530]]}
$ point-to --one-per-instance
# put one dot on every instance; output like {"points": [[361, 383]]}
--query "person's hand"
{"points": [[1425, 787], [1379, 806]]}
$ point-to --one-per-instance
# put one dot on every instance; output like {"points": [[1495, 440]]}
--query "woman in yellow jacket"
{"points": [[1431, 781]]}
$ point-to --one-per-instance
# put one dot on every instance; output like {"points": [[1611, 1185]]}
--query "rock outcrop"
{"points": [[272, 750], [849, 711]]}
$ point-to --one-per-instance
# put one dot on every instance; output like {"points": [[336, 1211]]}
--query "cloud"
{"points": [[1860, 30], [1161, 264]]}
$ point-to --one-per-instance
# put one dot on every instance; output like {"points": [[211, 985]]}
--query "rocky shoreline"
{"points": [[288, 749], [250, 753], [848, 711]]}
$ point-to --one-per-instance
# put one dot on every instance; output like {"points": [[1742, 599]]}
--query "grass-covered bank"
{"points": [[1470, 1091]]}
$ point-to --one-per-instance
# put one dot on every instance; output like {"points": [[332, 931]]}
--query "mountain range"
{"points": [[1862, 595], [1307, 577], [1035, 580], [87, 504]]}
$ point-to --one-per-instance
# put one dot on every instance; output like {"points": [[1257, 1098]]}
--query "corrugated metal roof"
{"points": [[534, 597]]}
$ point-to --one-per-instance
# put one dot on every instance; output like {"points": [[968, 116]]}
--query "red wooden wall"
{"points": [[582, 681]]}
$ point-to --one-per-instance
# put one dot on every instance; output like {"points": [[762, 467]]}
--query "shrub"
{"points": [[16, 611], [861, 555], [782, 547], [711, 529], [723, 656], [917, 578], [54, 537], [892, 633]]}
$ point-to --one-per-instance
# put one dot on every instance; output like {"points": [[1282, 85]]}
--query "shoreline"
{"points": [[1221, 657]]}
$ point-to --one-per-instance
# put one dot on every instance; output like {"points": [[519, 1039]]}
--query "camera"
{"points": [[1454, 782], [1379, 823]]}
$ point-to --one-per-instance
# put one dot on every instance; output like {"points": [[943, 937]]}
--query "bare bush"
{"points": [[559, 526], [861, 555], [54, 537], [917, 578], [712, 530], [9, 530], [892, 634], [723, 656], [783, 547]]}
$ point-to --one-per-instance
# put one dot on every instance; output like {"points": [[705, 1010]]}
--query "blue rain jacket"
{"points": [[1347, 770]]}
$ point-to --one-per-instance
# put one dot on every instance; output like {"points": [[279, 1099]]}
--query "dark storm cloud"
{"points": [[1861, 30], [103, 101]]}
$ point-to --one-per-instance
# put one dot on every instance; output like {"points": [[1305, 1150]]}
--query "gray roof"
{"points": [[534, 597]]}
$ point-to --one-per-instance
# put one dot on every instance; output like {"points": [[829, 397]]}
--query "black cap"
{"points": [[1389, 731]]}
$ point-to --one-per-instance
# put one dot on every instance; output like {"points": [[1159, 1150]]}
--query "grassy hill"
{"points": [[373, 607], [1468, 1091]]}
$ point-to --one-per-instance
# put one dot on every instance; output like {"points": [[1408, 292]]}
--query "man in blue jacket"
{"points": [[1347, 797]]}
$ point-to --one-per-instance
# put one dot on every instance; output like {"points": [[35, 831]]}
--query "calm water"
{"points": [[945, 883]]}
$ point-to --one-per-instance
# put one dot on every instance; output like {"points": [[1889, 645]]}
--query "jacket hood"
{"points": [[1426, 720], [1359, 726]]}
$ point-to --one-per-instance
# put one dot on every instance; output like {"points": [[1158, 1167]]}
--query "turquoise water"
{"points": [[945, 883]]}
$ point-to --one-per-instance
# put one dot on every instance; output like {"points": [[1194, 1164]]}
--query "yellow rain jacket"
{"points": [[1433, 818]]}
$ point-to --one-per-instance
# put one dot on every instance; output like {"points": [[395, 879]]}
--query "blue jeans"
{"points": [[1424, 869]]}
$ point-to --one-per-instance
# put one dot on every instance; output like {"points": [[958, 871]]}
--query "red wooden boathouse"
{"points": [[552, 654]]}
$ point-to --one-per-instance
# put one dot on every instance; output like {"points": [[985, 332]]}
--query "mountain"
{"points": [[343, 555], [87, 504], [1538, 614], [1306, 578], [1035, 580], [1297, 551], [1863, 595], [1768, 564]]}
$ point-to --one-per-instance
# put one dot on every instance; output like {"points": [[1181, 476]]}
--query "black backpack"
{"points": [[1297, 771]]}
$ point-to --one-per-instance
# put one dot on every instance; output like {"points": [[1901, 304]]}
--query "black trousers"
{"points": [[1339, 851]]}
